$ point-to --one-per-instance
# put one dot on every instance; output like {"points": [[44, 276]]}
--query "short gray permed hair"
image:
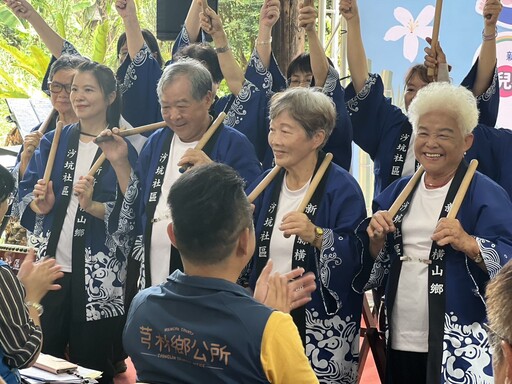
{"points": [[441, 96], [199, 77], [311, 108]]}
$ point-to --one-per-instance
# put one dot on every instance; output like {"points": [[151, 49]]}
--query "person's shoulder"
{"points": [[144, 295], [7, 276], [155, 138], [488, 185], [342, 177], [232, 132], [232, 135], [5, 269]]}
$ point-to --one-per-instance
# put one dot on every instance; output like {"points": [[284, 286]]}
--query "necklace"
{"points": [[87, 134], [434, 186]]}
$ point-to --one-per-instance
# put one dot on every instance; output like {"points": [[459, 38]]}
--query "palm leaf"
{"points": [[100, 42]]}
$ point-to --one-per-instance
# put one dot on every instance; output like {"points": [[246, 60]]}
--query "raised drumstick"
{"points": [[51, 155], [133, 131], [435, 33], [206, 137]]}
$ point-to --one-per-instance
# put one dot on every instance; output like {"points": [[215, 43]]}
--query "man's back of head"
{"points": [[499, 312], [209, 210]]}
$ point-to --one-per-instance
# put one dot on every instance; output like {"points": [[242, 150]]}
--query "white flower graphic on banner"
{"points": [[411, 29]]}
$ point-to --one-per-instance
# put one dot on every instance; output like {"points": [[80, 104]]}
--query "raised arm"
{"points": [[487, 56], [24, 10], [269, 15], [356, 55], [134, 38], [319, 63], [192, 22], [232, 72]]}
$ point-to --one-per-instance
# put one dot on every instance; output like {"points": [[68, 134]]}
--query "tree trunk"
{"points": [[288, 40]]}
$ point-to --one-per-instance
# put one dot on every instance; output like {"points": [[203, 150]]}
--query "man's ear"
{"points": [[242, 247], [507, 357], [170, 233]]}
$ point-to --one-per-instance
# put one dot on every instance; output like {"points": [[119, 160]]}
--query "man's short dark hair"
{"points": [[206, 55], [209, 210]]}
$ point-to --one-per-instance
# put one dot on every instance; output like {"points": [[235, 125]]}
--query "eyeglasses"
{"points": [[56, 87], [299, 83], [494, 337]]}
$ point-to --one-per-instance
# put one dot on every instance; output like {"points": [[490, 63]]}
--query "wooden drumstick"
{"points": [[314, 183], [263, 184], [99, 161], [393, 210], [97, 164], [42, 129], [459, 197], [133, 131], [435, 33], [51, 155], [207, 135]]}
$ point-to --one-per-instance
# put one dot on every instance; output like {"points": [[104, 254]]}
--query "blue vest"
{"points": [[10, 375], [197, 330]]}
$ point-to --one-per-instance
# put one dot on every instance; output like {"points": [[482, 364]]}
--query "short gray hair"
{"points": [[199, 77], [441, 96], [312, 109]]}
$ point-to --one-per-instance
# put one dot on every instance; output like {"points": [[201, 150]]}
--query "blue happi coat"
{"points": [[486, 214], [105, 266], [377, 123], [127, 218], [333, 315]]}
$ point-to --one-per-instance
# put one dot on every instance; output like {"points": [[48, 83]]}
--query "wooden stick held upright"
{"points": [[51, 155], [53, 152], [393, 210], [97, 164], [207, 135], [464, 185], [314, 183], [435, 32], [263, 184], [133, 131], [42, 129]]}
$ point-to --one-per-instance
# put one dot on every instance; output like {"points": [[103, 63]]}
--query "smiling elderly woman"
{"points": [[435, 269], [320, 239]]}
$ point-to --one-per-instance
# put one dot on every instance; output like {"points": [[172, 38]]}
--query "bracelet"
{"points": [[489, 37], [223, 49], [268, 42], [38, 307]]}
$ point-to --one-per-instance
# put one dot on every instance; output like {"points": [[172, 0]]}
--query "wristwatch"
{"points": [[478, 259], [319, 232]]}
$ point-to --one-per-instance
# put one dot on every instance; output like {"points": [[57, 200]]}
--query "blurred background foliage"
{"points": [[93, 27]]}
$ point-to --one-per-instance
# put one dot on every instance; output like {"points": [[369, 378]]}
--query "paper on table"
{"points": [[44, 376], [36, 375]]}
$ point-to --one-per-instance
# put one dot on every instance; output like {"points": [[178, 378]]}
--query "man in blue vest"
{"points": [[200, 326]]}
